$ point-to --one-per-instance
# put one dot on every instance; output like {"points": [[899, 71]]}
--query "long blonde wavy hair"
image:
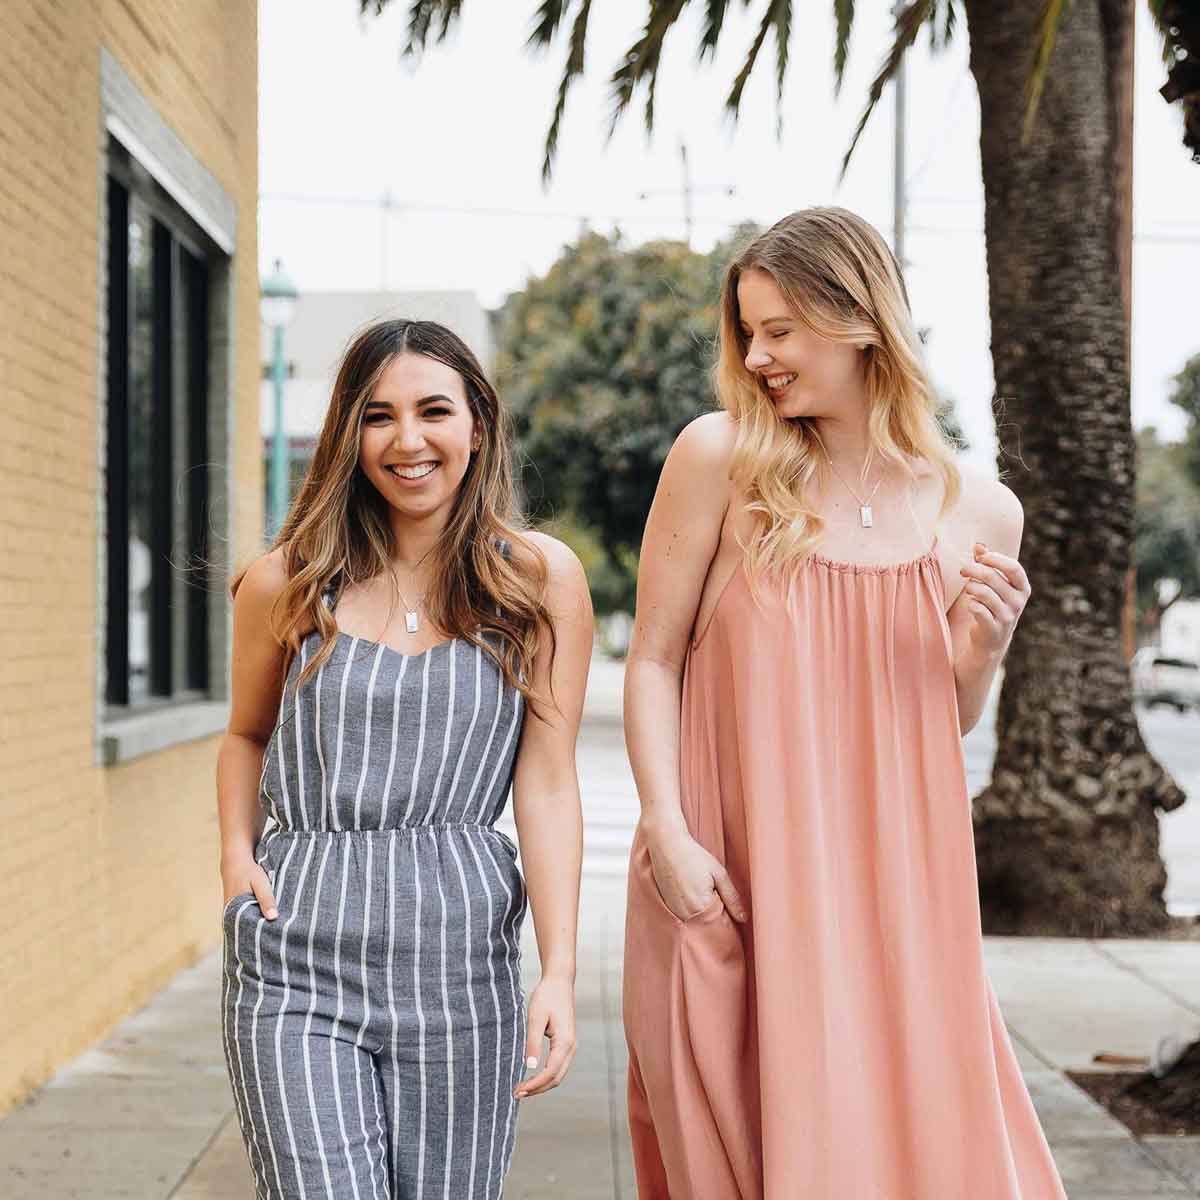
{"points": [[337, 530], [843, 282]]}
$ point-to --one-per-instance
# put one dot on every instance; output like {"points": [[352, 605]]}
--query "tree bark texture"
{"points": [[1067, 830]]}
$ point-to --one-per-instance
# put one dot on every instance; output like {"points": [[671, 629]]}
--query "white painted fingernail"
{"points": [[530, 1063]]}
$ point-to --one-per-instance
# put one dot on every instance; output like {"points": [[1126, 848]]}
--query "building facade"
{"points": [[130, 486]]}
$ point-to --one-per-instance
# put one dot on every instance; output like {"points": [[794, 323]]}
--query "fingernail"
{"points": [[530, 1063], [272, 912]]}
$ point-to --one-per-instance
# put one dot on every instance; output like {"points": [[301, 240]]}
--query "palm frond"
{"points": [[451, 10], [1047, 33], [572, 70], [733, 101], [549, 17], [420, 18], [714, 22], [843, 14], [942, 20], [908, 24], [641, 60], [782, 25]]}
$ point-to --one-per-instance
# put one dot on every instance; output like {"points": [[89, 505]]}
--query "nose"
{"points": [[409, 436], [756, 358]]}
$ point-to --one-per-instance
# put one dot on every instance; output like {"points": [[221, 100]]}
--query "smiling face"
{"points": [[417, 436], [803, 373]]}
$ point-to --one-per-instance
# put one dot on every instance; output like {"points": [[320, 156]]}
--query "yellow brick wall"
{"points": [[108, 876]]}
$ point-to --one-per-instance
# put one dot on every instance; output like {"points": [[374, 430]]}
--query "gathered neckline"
{"points": [[836, 564]]}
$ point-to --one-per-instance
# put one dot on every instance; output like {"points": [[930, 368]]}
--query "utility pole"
{"points": [[689, 191]]}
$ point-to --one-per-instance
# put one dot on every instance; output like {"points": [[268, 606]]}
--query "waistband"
{"points": [[432, 827]]}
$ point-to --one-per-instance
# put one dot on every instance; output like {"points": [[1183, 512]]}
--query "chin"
{"points": [[790, 409]]}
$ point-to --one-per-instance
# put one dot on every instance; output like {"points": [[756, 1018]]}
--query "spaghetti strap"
{"points": [[928, 547]]}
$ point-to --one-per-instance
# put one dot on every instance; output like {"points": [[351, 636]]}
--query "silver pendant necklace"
{"points": [[866, 515], [411, 622]]}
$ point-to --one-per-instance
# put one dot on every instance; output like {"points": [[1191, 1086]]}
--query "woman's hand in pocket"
{"points": [[687, 875], [245, 875]]}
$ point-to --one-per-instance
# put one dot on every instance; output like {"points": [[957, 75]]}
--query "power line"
{"points": [[391, 205]]}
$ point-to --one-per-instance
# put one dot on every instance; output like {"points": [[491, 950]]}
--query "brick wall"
{"points": [[108, 876]]}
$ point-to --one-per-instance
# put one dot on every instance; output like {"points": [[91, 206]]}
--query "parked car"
{"points": [[1165, 679]]}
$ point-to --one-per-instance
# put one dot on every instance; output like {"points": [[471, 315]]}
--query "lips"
{"points": [[777, 383], [411, 471]]}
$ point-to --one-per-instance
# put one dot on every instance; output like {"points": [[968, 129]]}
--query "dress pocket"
{"points": [[233, 902], [643, 871]]}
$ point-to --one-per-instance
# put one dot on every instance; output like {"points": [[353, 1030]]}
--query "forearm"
{"points": [[973, 674], [550, 828], [653, 691], [239, 814]]}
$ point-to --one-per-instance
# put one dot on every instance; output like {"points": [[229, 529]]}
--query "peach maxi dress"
{"points": [[845, 1043]]}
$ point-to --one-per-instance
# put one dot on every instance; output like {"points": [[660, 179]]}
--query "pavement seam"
{"points": [[1138, 973], [196, 1158], [1163, 1165], [1031, 1049]]}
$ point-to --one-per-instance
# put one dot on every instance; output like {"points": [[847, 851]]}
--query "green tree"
{"points": [[604, 360], [1167, 524], [1185, 395], [1067, 829]]}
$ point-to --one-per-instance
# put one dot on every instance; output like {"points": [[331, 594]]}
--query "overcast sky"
{"points": [[456, 142]]}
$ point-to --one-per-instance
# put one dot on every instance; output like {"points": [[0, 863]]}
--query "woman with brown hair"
{"points": [[824, 597], [375, 1028]]}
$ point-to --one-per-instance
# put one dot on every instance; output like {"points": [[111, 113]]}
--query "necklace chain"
{"points": [[411, 620], [866, 516]]}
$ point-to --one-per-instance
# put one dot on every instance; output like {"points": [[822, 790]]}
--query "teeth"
{"points": [[775, 382], [413, 472]]}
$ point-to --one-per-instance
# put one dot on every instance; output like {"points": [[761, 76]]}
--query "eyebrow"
{"points": [[770, 321], [436, 398]]}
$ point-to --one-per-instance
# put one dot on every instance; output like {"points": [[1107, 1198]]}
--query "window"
{"points": [[157, 454]]}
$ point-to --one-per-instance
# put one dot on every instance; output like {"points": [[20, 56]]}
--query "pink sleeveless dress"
{"points": [[845, 1042]]}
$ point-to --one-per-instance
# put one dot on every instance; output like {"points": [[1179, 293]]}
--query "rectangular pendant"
{"points": [[864, 513], [410, 622]]}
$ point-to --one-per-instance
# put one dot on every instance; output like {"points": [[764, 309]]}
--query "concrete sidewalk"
{"points": [[148, 1113]]}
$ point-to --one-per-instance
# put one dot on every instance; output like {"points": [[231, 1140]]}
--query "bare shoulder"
{"points": [[263, 580], [706, 442], [566, 580], [562, 561], [992, 509]]}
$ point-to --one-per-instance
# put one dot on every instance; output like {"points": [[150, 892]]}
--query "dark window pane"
{"points": [[140, 434]]}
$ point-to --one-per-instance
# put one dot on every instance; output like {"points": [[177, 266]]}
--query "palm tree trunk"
{"points": [[1067, 830]]}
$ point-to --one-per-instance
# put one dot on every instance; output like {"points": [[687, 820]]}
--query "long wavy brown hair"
{"points": [[841, 279], [337, 531]]}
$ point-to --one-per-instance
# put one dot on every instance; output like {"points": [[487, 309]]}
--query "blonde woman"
{"points": [[823, 601], [402, 654]]}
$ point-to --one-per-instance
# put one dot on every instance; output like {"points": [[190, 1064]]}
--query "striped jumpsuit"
{"points": [[374, 1030]]}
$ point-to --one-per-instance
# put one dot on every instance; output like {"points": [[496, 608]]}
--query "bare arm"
{"points": [[546, 807], [256, 665], [682, 535], [983, 617]]}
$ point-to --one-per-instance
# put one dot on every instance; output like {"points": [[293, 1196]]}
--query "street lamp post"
{"points": [[277, 303]]}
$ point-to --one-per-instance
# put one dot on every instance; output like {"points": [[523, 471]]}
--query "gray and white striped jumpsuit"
{"points": [[374, 1030]]}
